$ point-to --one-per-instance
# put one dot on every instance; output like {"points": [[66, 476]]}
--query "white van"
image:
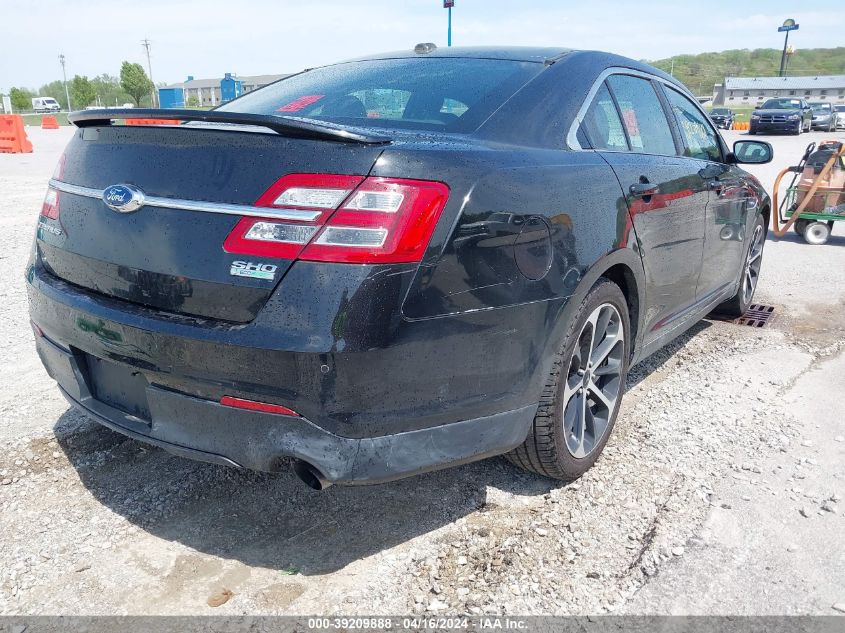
{"points": [[45, 104]]}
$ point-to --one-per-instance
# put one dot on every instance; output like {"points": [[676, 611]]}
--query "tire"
{"points": [[800, 226], [799, 130], [749, 273], [816, 233], [553, 447]]}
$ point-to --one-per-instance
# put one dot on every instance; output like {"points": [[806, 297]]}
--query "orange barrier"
{"points": [[742, 126], [49, 123], [150, 122], [13, 138]]}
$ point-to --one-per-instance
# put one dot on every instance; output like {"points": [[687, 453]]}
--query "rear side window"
{"points": [[700, 140], [602, 124], [434, 93], [642, 115]]}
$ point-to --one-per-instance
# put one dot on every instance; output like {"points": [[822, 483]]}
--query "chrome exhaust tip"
{"points": [[310, 475]]}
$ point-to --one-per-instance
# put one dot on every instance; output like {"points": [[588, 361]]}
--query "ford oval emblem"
{"points": [[123, 198]]}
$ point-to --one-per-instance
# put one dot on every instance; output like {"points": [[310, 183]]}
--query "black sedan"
{"points": [[394, 264], [722, 118]]}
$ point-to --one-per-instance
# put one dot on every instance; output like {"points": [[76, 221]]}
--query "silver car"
{"points": [[824, 117]]}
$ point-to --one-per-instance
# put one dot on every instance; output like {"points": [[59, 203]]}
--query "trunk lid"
{"points": [[173, 259]]}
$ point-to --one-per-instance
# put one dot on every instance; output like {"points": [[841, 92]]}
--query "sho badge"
{"points": [[251, 269]]}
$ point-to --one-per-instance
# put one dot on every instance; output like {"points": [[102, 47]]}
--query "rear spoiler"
{"points": [[284, 125]]}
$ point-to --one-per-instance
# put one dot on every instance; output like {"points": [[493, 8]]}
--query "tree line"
{"points": [[132, 86], [702, 71]]}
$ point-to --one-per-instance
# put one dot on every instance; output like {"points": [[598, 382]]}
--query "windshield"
{"points": [[781, 104], [820, 107], [839, 108], [720, 111], [437, 93]]}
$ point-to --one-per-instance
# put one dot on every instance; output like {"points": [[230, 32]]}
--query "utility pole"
{"points": [[64, 78], [448, 4], [672, 70], [146, 44]]}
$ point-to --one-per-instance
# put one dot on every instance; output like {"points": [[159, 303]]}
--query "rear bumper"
{"points": [[207, 431], [438, 392]]}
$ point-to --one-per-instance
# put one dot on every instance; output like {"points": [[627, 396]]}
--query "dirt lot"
{"points": [[720, 491]]}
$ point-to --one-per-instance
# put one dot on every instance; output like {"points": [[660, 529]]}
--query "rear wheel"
{"points": [[816, 233], [580, 401], [738, 304], [800, 226]]}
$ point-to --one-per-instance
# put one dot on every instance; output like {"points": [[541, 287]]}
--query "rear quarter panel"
{"points": [[525, 234]]}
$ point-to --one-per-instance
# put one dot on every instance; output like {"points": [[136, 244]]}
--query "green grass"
{"points": [[35, 119]]}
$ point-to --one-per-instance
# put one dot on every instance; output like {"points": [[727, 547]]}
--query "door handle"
{"points": [[642, 189]]}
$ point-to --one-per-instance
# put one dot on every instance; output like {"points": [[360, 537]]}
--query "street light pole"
{"points": [[448, 4], [146, 44], [64, 78], [788, 25]]}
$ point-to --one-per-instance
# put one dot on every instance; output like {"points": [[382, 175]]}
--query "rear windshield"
{"points": [[719, 111], [446, 94]]}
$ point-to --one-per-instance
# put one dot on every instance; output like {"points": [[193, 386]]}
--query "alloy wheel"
{"points": [[593, 380], [752, 264]]}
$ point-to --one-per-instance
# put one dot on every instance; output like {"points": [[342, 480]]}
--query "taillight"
{"points": [[50, 207], [379, 220], [304, 202]]}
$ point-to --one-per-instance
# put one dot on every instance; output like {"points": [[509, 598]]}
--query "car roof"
{"points": [[514, 53], [538, 54]]}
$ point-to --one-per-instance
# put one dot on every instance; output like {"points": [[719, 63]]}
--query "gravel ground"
{"points": [[95, 523]]}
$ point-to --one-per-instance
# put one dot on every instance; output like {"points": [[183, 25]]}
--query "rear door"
{"points": [[726, 216], [666, 197]]}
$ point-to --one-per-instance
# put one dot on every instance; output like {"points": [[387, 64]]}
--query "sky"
{"points": [[250, 37]]}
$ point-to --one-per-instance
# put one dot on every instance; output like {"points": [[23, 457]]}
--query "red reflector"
{"points": [[38, 331], [254, 405]]}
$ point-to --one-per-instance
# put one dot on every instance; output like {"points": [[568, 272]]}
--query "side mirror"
{"points": [[752, 152]]}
